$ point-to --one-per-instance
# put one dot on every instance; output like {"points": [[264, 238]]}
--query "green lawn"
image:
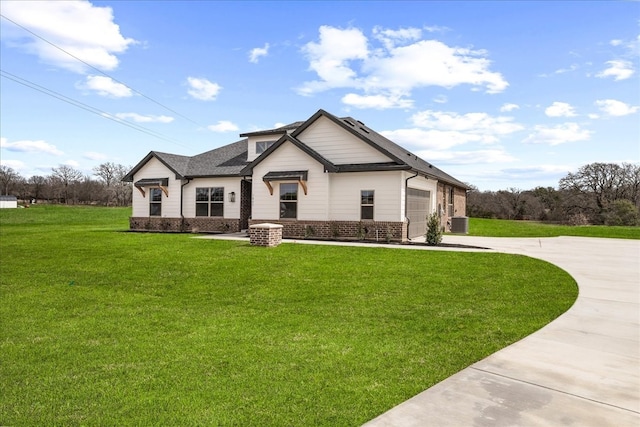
{"points": [[507, 228], [102, 327]]}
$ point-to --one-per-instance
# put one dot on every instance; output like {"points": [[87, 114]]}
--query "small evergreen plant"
{"points": [[434, 231]]}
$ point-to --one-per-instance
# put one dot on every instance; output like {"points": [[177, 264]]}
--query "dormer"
{"points": [[260, 140]]}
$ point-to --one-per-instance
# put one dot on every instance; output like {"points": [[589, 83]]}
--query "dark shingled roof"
{"points": [[231, 160], [228, 160]]}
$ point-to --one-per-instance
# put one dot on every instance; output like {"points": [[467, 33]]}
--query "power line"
{"points": [[101, 72], [85, 107]]}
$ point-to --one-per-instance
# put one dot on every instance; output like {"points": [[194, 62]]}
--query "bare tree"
{"points": [[68, 178], [116, 191], [36, 186], [8, 177]]}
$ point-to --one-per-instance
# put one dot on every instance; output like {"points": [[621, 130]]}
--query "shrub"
{"points": [[434, 231], [621, 212]]}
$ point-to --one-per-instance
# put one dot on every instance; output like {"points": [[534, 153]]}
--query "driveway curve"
{"points": [[582, 369]]}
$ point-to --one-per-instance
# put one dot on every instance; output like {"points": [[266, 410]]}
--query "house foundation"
{"points": [[191, 225], [382, 231]]}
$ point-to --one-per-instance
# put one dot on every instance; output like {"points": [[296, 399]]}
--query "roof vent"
{"points": [[360, 122], [348, 122], [363, 130]]}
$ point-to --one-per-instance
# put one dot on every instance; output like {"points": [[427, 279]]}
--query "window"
{"points": [[450, 201], [366, 204], [261, 146], [289, 200], [155, 201], [210, 201]]}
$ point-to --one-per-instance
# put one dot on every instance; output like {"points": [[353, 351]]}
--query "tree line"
{"points": [[67, 185], [597, 193]]}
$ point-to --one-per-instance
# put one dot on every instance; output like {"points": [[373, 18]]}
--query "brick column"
{"points": [[267, 235]]}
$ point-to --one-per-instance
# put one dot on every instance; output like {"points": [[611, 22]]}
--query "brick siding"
{"points": [[334, 230], [194, 225]]}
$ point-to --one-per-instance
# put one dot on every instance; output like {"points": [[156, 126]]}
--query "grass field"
{"points": [[105, 327], [506, 228]]}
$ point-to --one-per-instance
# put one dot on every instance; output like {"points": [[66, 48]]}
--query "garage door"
{"points": [[417, 210]]}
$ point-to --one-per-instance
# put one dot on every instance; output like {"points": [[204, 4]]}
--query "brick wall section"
{"points": [[333, 230], [460, 202], [193, 225], [268, 235]]}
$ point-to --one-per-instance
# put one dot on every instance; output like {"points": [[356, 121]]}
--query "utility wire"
{"points": [[100, 71], [85, 107]]}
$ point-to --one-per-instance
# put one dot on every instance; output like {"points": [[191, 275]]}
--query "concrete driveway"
{"points": [[583, 369]]}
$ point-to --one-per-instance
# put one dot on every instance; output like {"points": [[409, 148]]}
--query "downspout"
{"points": [[182, 203], [406, 201]]}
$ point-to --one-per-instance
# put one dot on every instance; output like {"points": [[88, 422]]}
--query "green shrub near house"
{"points": [[106, 327]]}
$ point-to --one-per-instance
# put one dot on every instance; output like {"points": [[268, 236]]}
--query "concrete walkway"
{"points": [[583, 369]]}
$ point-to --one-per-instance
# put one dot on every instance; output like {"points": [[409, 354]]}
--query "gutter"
{"points": [[182, 202], [406, 201]]}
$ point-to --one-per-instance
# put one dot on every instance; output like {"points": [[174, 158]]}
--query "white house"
{"points": [[326, 177], [8, 202]]}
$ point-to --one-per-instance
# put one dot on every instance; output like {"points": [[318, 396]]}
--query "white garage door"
{"points": [[417, 210]]}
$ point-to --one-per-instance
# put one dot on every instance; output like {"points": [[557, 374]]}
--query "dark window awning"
{"points": [[162, 183], [299, 176]]}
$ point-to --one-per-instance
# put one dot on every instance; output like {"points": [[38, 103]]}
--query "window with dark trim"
{"points": [[261, 146], [155, 201], [289, 200], [451, 193], [210, 201], [366, 204]]}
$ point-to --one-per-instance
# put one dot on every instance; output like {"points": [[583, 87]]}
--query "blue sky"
{"points": [[498, 94]]}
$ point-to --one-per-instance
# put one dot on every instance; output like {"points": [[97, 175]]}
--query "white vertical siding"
{"points": [[231, 209], [345, 195], [288, 157], [170, 204], [338, 145]]}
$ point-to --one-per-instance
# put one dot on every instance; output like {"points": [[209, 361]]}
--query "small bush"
{"points": [[434, 230], [621, 212], [578, 219]]}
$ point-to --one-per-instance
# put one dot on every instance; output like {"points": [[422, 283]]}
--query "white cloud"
{"points": [[27, 146], [536, 172], [509, 107], [431, 139], [397, 64], [223, 126], [378, 102], [619, 69], [472, 157], [611, 107], [203, 89], [475, 123], [144, 119], [330, 58], [86, 31], [105, 86], [93, 155], [560, 109], [16, 165], [391, 38], [72, 163], [441, 99], [437, 131], [256, 53], [560, 134], [572, 67]]}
